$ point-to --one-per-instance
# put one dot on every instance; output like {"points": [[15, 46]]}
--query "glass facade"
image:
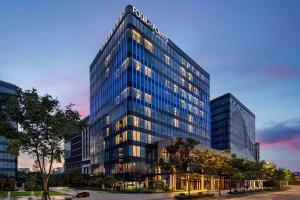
{"points": [[232, 127], [8, 162], [143, 90]]}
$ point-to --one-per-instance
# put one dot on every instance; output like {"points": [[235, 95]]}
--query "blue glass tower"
{"points": [[143, 89], [8, 162]]}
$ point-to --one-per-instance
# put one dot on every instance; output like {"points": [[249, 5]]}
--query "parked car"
{"points": [[82, 194]]}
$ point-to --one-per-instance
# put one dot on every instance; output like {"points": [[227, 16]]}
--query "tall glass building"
{"points": [[143, 89], [8, 162], [233, 127]]}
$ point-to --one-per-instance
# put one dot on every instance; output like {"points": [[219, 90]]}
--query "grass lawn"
{"points": [[26, 193]]}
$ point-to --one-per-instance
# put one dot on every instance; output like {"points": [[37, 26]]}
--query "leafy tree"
{"points": [[45, 127], [180, 158]]}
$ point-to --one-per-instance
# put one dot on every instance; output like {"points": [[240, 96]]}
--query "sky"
{"points": [[249, 48]]}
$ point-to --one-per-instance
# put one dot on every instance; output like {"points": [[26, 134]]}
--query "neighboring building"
{"points": [[78, 152], [24, 170], [257, 152], [8, 162], [86, 152], [143, 89], [57, 170], [73, 160], [233, 127]]}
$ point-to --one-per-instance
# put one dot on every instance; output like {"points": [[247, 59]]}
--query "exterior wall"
{"points": [[8, 162], [143, 90], [233, 127], [257, 151], [74, 161], [85, 135]]}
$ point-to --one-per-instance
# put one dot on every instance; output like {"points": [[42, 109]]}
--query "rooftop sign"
{"points": [[152, 26]]}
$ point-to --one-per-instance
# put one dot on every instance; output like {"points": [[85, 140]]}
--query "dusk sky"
{"points": [[249, 48]]}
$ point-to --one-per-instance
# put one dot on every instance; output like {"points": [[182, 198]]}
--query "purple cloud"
{"points": [[278, 71], [285, 134]]}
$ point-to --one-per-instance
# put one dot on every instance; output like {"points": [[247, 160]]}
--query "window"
{"points": [[148, 98], [136, 121], [182, 71], [118, 139], [136, 136], [190, 128], [164, 153], [136, 36], [124, 136], [147, 125], [137, 93], [107, 72], [125, 122], [183, 104], [190, 87], [148, 45], [136, 151], [107, 59], [190, 77], [148, 71], [183, 94], [175, 111], [137, 65], [190, 118], [175, 88], [107, 131], [150, 140], [147, 111], [167, 83], [176, 123], [167, 59], [182, 81], [107, 119]]}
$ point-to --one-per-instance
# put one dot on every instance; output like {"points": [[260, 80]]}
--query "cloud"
{"points": [[284, 134], [278, 71]]}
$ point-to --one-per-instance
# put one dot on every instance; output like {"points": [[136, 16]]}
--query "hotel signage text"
{"points": [[152, 26]]}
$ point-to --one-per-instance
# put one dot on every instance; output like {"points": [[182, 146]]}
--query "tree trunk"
{"points": [[219, 186], [188, 182], [45, 195]]}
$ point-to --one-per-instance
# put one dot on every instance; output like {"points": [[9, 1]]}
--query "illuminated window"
{"points": [[118, 139], [175, 88], [164, 153], [147, 125], [136, 136], [136, 151], [148, 45], [147, 111], [190, 118], [190, 87], [125, 121], [167, 59], [107, 131], [107, 59], [136, 36], [190, 77], [107, 119], [148, 71], [136, 121], [201, 113], [124, 136], [137, 65], [190, 128], [196, 91], [150, 140], [182, 71], [182, 81], [137, 93], [175, 111], [148, 98], [119, 125], [183, 104], [190, 108], [176, 123]]}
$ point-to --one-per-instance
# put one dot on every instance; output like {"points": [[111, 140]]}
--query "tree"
{"points": [[180, 158], [45, 127]]}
